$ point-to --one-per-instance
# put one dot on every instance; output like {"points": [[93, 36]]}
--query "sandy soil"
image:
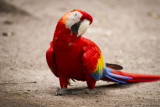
{"points": [[127, 31]]}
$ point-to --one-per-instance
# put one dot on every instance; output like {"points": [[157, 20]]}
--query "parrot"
{"points": [[73, 57]]}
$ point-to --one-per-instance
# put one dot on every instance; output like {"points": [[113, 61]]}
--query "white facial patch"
{"points": [[73, 18]]}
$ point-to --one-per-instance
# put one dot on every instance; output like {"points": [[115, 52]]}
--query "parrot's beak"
{"points": [[80, 27]]}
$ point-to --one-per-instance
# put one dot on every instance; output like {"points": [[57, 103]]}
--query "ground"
{"points": [[127, 32]]}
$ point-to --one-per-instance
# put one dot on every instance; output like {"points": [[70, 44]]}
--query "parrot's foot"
{"points": [[59, 91], [91, 91]]}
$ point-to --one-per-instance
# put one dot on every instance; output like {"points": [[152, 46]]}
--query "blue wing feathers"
{"points": [[96, 76]]}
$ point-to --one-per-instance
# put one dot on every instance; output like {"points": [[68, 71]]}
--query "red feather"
{"points": [[138, 77], [50, 57]]}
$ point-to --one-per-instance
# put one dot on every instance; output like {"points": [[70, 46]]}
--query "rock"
{"points": [[153, 14], [108, 33], [119, 61], [8, 22], [8, 34]]}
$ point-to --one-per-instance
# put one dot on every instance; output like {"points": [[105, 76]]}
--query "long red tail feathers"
{"points": [[138, 77], [125, 77]]}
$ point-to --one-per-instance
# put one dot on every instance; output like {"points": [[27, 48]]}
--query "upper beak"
{"points": [[80, 27]]}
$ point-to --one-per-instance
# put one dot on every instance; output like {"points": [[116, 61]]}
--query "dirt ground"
{"points": [[127, 31]]}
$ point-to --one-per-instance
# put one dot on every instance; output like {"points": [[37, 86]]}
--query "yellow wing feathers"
{"points": [[100, 64]]}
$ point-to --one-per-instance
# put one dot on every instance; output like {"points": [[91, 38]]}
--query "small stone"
{"points": [[11, 68], [108, 33], [119, 61], [153, 14], [8, 22], [8, 34]]}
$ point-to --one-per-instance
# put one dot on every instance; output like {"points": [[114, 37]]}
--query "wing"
{"points": [[50, 57], [93, 60]]}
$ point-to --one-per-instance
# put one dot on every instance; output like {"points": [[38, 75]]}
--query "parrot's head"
{"points": [[76, 21]]}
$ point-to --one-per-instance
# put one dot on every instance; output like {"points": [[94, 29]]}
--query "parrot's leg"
{"points": [[91, 84], [63, 83], [90, 81]]}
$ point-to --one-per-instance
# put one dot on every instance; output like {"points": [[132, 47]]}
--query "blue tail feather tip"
{"points": [[108, 73], [115, 79]]}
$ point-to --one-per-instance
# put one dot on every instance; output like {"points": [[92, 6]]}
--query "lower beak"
{"points": [[83, 27], [80, 27]]}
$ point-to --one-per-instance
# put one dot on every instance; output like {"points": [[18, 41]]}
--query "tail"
{"points": [[126, 77]]}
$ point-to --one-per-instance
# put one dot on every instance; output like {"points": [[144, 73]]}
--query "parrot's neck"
{"points": [[64, 35]]}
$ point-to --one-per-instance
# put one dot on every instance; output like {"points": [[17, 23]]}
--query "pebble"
{"points": [[153, 14], [8, 22], [119, 61], [8, 34], [108, 33]]}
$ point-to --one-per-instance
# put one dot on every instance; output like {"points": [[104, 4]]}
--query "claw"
{"points": [[59, 91]]}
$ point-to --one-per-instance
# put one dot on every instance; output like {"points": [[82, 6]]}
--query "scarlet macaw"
{"points": [[71, 56]]}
